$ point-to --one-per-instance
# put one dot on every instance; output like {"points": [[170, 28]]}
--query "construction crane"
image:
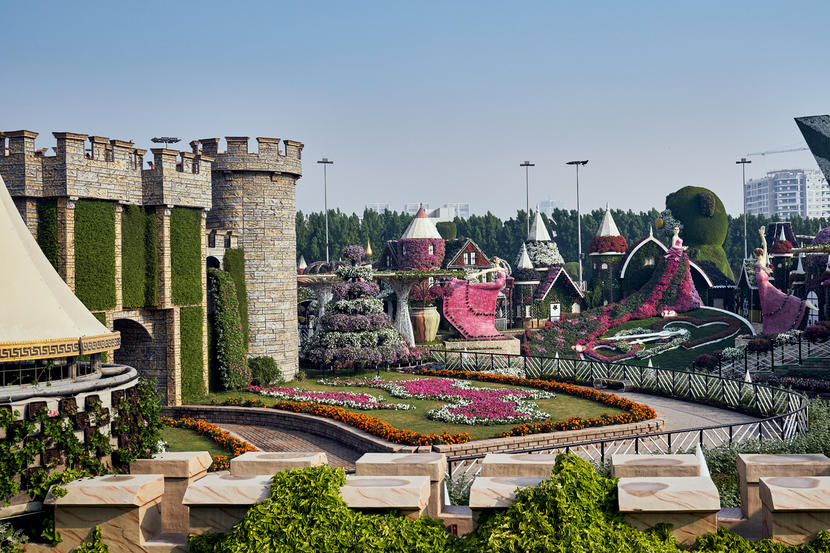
{"points": [[776, 152]]}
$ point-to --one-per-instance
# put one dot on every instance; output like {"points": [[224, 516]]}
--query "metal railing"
{"points": [[782, 413]]}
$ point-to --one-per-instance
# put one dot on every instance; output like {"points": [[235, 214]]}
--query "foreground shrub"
{"points": [[264, 370]]}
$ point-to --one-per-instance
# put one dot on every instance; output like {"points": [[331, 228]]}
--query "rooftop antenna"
{"points": [[165, 140]]}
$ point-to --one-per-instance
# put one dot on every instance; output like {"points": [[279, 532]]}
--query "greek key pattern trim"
{"points": [[61, 347]]}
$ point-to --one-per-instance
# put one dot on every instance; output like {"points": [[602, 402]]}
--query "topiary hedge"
{"points": [[47, 229], [190, 332], [139, 257], [186, 255], [234, 264], [95, 253], [230, 350]]}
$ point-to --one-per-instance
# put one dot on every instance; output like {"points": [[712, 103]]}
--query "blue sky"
{"points": [[439, 101]]}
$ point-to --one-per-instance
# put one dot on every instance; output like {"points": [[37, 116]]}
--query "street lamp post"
{"points": [[326, 162], [527, 165], [578, 218], [742, 162]]}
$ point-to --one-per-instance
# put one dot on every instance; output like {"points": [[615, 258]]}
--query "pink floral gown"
{"points": [[779, 312]]}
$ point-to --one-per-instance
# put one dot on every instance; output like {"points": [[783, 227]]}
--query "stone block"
{"points": [[795, 508], [432, 465], [220, 500], [751, 468], [499, 491], [534, 465], [126, 507], [458, 519], [689, 504], [180, 469], [255, 463], [646, 466], [407, 493]]}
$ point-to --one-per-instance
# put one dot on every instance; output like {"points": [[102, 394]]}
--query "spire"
{"points": [[781, 235], [421, 227], [523, 261], [650, 231], [800, 269], [608, 227], [302, 265], [368, 248], [538, 231]]}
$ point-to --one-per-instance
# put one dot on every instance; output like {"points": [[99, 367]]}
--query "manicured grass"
{"points": [[181, 439], [561, 407]]}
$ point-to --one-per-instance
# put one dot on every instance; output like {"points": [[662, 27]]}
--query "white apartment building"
{"points": [[787, 193]]}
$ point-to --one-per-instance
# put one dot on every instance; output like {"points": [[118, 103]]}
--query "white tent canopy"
{"points": [[41, 317], [421, 227]]}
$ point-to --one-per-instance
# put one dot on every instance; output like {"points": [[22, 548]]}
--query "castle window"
{"points": [[403, 249], [196, 166], [649, 262], [469, 258], [211, 240], [431, 249], [109, 155], [604, 266]]}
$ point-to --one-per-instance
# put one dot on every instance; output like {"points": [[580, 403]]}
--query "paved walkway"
{"points": [[271, 439], [682, 414]]}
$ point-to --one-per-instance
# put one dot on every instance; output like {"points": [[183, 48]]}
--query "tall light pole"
{"points": [[527, 165], [326, 162], [578, 218], [742, 162]]}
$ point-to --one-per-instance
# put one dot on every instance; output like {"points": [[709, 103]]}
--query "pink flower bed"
{"points": [[467, 405], [341, 399]]}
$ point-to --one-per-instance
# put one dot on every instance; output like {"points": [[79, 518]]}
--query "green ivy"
{"points": [[186, 255], [229, 346], [137, 423], [95, 253], [193, 383], [93, 544], [139, 257], [47, 229], [234, 264]]}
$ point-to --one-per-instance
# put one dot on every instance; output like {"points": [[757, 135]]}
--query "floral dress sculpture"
{"points": [[470, 307], [779, 312]]}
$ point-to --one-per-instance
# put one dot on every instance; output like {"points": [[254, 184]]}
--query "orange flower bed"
{"points": [[223, 439], [635, 412]]}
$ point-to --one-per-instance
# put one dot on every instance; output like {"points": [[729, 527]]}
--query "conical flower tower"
{"points": [[606, 251], [541, 249], [421, 247], [526, 279]]}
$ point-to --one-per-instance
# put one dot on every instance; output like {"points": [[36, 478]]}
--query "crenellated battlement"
{"points": [[97, 167], [273, 155]]}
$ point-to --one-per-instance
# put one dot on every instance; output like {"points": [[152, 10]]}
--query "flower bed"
{"points": [[341, 399], [467, 405], [635, 412], [224, 439]]}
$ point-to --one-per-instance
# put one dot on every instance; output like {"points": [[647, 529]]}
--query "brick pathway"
{"points": [[271, 439]]}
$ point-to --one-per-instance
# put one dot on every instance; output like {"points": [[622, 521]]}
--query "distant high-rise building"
{"points": [[380, 208], [412, 209], [547, 206], [788, 193], [449, 212]]}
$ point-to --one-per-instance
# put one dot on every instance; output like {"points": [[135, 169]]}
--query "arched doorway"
{"points": [[138, 350], [213, 263]]}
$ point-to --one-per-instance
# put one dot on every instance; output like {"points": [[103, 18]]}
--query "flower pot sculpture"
{"points": [[471, 307], [424, 323]]}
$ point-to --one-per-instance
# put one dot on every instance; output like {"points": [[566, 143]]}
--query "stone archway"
{"points": [[213, 263], [141, 351]]}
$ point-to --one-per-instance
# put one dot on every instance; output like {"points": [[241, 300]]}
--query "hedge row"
{"points": [[234, 264], [95, 253], [186, 255], [190, 333], [229, 348], [47, 229], [139, 257]]}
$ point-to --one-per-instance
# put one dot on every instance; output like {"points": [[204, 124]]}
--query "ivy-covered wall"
{"points": [[139, 257], [95, 253], [231, 358], [186, 255], [234, 264], [190, 332], [47, 229]]}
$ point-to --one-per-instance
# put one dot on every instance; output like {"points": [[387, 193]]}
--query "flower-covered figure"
{"points": [[355, 332], [779, 312]]}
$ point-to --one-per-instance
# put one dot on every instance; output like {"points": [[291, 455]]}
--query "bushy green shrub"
{"points": [[264, 370], [47, 229], [186, 255], [11, 540], [234, 263], [190, 332], [447, 229], [95, 253], [139, 257], [229, 346]]}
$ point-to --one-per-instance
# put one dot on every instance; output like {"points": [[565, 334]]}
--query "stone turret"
{"points": [[606, 251], [253, 195]]}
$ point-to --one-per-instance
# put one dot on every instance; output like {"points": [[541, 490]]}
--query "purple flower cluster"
{"points": [[357, 355], [342, 322], [353, 253], [341, 399], [354, 290]]}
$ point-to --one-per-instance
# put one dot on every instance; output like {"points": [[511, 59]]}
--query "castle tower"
{"points": [[253, 195], [606, 251]]}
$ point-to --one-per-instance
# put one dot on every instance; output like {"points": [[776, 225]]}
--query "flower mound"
{"points": [[223, 439], [468, 405], [341, 399]]}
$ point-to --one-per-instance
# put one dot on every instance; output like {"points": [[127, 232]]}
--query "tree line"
{"points": [[503, 238]]}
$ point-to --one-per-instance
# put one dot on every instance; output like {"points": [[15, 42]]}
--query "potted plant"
{"points": [[423, 313]]}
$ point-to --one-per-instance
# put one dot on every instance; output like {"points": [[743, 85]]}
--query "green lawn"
{"points": [[181, 439], [561, 407]]}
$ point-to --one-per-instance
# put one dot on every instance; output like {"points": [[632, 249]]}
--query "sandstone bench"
{"points": [[255, 463], [220, 500], [795, 508], [408, 494], [645, 466]]}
